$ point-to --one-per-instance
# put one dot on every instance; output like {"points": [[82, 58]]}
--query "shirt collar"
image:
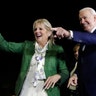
{"points": [[93, 29]]}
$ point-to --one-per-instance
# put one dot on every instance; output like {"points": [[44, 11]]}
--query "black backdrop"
{"points": [[16, 19]]}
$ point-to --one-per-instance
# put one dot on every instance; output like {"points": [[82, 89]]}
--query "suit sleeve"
{"points": [[84, 37]]}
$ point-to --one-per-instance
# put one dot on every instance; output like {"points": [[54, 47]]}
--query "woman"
{"points": [[43, 67], [73, 88]]}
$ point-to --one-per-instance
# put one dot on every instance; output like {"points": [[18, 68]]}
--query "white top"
{"points": [[36, 75]]}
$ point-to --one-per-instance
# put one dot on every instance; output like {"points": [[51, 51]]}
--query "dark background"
{"points": [[16, 19]]}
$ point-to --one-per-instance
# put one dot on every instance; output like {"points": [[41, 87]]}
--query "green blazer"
{"points": [[54, 62]]}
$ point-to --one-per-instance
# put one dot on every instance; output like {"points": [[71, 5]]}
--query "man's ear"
{"points": [[95, 17]]}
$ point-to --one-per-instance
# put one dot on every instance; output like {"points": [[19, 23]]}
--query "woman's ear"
{"points": [[49, 34]]}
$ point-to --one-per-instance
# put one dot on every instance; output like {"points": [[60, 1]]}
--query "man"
{"points": [[86, 70]]}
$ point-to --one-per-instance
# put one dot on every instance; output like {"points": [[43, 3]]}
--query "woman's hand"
{"points": [[51, 80], [72, 80]]}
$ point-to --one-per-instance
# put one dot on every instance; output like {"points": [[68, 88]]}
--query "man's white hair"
{"points": [[92, 11]]}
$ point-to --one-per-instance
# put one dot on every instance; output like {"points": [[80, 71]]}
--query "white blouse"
{"points": [[34, 82]]}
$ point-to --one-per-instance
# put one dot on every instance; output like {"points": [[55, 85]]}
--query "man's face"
{"points": [[87, 20]]}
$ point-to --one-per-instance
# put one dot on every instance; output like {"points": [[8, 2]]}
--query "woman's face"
{"points": [[76, 52], [41, 34]]}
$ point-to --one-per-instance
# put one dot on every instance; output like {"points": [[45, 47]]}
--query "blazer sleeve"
{"points": [[11, 46], [63, 69], [84, 37]]}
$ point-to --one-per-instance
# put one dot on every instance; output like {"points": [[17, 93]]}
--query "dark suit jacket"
{"points": [[87, 61]]}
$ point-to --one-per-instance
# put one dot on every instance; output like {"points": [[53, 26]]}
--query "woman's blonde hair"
{"points": [[77, 46]]}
